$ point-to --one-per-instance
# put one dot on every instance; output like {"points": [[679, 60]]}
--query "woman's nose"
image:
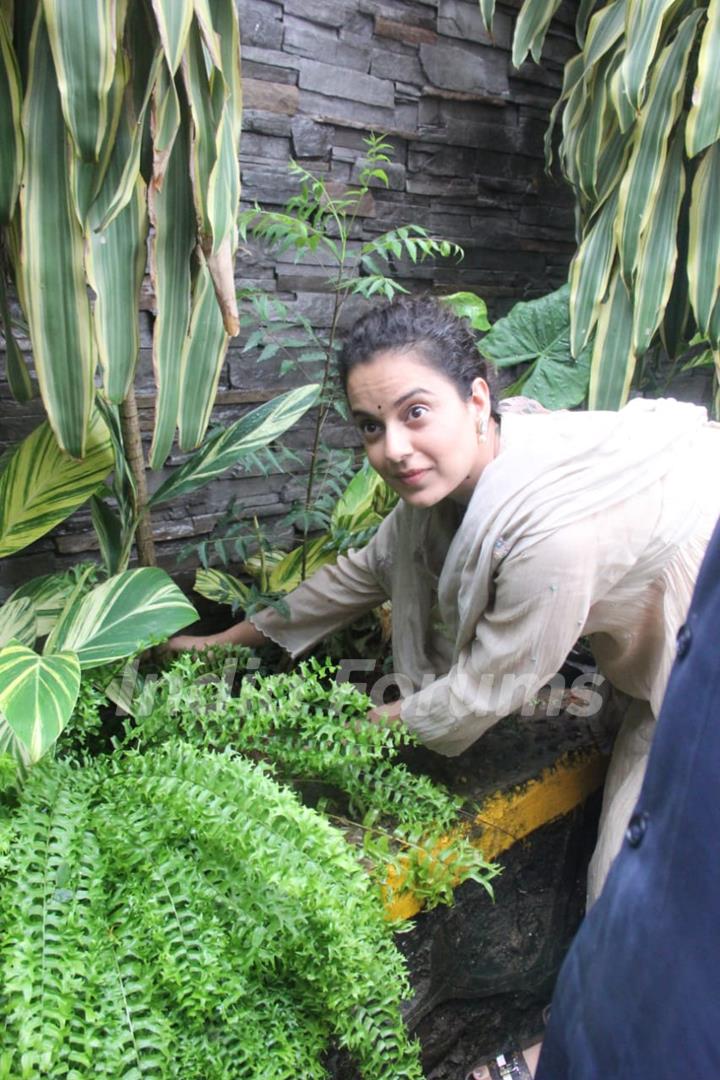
{"points": [[397, 443]]}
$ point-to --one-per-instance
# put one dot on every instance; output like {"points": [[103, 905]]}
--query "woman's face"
{"points": [[419, 433]]}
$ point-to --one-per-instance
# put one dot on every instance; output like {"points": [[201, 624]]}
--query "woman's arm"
{"points": [[242, 633], [330, 599]]}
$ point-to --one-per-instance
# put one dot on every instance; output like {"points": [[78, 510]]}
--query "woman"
{"points": [[515, 534]]}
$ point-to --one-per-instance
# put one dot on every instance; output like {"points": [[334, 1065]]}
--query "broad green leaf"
{"points": [[121, 616], [17, 620], [202, 360], [37, 695], [613, 359], [221, 587], [47, 595], [704, 247], [226, 447], [589, 273], [703, 124], [83, 38], [115, 264], [172, 216], [173, 20], [639, 187], [538, 331], [644, 22], [11, 137], [54, 289], [41, 485], [468, 305], [658, 250], [530, 29]]}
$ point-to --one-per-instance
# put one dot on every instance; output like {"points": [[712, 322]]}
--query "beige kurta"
{"points": [[585, 523]]}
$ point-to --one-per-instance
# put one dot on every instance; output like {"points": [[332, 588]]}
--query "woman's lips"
{"points": [[412, 477]]}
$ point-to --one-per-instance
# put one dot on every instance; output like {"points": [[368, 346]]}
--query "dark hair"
{"points": [[446, 341]]}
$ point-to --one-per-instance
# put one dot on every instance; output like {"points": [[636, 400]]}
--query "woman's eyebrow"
{"points": [[411, 393]]}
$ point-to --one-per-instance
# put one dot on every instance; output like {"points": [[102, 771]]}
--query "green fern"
{"points": [[177, 914], [312, 731]]}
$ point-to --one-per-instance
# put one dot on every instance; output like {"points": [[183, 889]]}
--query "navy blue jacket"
{"points": [[638, 997]]}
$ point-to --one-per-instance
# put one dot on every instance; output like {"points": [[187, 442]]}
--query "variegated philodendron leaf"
{"points": [[224, 449], [121, 616], [42, 485], [17, 620], [37, 696]]}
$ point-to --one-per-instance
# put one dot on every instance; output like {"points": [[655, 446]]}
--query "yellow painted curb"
{"points": [[508, 816]]}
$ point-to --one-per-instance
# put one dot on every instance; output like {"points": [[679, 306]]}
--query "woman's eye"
{"points": [[416, 411], [368, 429]]}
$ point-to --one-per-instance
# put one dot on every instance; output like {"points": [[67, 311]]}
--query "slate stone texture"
{"points": [[467, 135]]}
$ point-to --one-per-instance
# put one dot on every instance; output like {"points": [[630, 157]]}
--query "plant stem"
{"points": [[323, 409], [144, 543]]}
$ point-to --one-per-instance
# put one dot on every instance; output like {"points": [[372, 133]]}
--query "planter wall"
{"points": [[467, 130]]}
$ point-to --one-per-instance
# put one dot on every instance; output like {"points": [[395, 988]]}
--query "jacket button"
{"points": [[684, 640], [636, 829]]}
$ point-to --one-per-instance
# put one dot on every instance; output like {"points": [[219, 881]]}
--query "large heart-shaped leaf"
{"points": [[37, 696], [539, 331], [122, 616], [41, 484]]}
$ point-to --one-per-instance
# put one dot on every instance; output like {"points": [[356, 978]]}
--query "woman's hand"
{"points": [[190, 643]]}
